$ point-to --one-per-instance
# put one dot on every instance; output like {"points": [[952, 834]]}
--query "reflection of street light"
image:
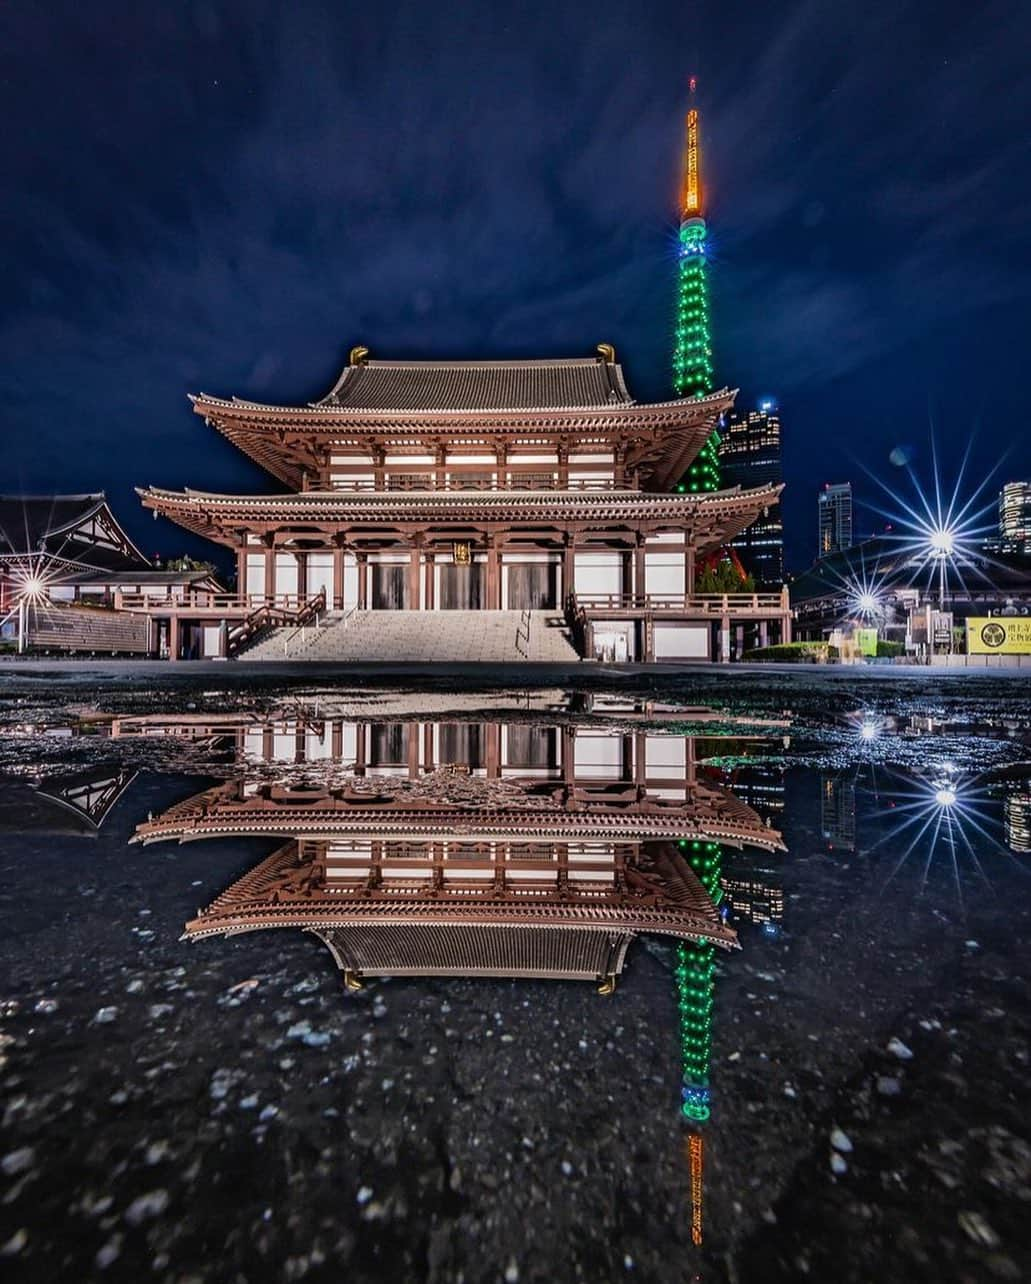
{"points": [[945, 796], [868, 731]]}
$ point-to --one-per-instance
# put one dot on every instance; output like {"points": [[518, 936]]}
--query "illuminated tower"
{"points": [[692, 348], [695, 976]]}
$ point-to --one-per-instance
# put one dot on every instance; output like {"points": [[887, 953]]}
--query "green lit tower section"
{"points": [[692, 348], [695, 975]]}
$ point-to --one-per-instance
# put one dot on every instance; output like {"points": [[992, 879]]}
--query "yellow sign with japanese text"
{"points": [[1000, 635]]}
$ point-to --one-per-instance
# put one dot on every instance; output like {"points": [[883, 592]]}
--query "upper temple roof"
{"points": [[480, 385]]}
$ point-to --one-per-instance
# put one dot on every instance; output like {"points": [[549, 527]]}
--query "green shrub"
{"points": [[888, 650], [794, 653]]}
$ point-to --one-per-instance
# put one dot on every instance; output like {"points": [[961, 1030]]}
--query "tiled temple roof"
{"points": [[32, 524], [462, 949], [204, 513], [479, 385]]}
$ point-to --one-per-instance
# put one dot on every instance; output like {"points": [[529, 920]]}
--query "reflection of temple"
{"points": [[838, 811], [74, 803], [462, 848]]}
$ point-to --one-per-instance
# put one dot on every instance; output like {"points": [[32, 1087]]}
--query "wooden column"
{"points": [[174, 641], [493, 576], [337, 603], [429, 579], [639, 568], [689, 568], [363, 585], [360, 738], [302, 576], [492, 750], [414, 562], [270, 573], [241, 572], [569, 565]]}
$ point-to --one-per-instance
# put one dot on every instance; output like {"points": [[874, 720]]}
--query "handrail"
{"points": [[266, 616], [523, 628]]}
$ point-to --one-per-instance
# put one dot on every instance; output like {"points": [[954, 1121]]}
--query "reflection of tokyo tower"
{"points": [[692, 345]]}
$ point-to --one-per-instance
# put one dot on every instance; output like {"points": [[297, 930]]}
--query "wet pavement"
{"points": [[223, 1109]]}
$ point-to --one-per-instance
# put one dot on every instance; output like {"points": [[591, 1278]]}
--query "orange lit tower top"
{"points": [[693, 373]]}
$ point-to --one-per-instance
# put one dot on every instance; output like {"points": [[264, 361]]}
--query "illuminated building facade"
{"points": [[835, 507], [754, 900], [1015, 517], [838, 811], [1017, 814], [486, 486], [750, 455]]}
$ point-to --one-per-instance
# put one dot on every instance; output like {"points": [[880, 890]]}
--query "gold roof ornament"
{"points": [[358, 356], [607, 353]]}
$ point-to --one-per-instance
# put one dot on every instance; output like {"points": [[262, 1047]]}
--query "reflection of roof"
{"points": [[69, 803], [661, 894], [438, 802], [411, 949], [479, 385]]}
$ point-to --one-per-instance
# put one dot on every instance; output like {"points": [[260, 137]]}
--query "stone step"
{"points": [[423, 637]]}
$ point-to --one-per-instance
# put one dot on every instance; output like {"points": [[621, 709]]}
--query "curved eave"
{"points": [[327, 912], [660, 436], [712, 518], [552, 827], [618, 415]]}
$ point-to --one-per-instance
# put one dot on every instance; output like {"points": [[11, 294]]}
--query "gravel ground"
{"points": [[223, 1111]]}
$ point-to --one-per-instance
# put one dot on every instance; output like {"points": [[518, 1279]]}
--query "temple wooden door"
{"points": [[463, 588], [389, 587], [532, 586]]}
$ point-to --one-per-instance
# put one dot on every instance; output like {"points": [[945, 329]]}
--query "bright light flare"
{"points": [[946, 796], [942, 543], [869, 731]]}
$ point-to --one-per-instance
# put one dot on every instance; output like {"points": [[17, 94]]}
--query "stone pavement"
{"points": [[423, 636]]}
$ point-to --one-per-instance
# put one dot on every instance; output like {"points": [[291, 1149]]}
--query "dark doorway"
{"points": [[389, 587], [463, 588], [388, 744], [461, 744], [532, 746], [533, 586]]}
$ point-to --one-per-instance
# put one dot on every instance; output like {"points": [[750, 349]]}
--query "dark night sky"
{"points": [[227, 196]]}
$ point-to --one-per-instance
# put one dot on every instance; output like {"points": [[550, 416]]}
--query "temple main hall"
{"points": [[535, 497]]}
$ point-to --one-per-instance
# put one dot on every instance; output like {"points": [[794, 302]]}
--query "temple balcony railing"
{"points": [[715, 605], [203, 600], [405, 483]]}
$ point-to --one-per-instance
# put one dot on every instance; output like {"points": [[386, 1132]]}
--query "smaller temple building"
{"points": [[66, 568]]}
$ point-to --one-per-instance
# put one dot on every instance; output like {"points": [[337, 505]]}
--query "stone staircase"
{"points": [[415, 637]]}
